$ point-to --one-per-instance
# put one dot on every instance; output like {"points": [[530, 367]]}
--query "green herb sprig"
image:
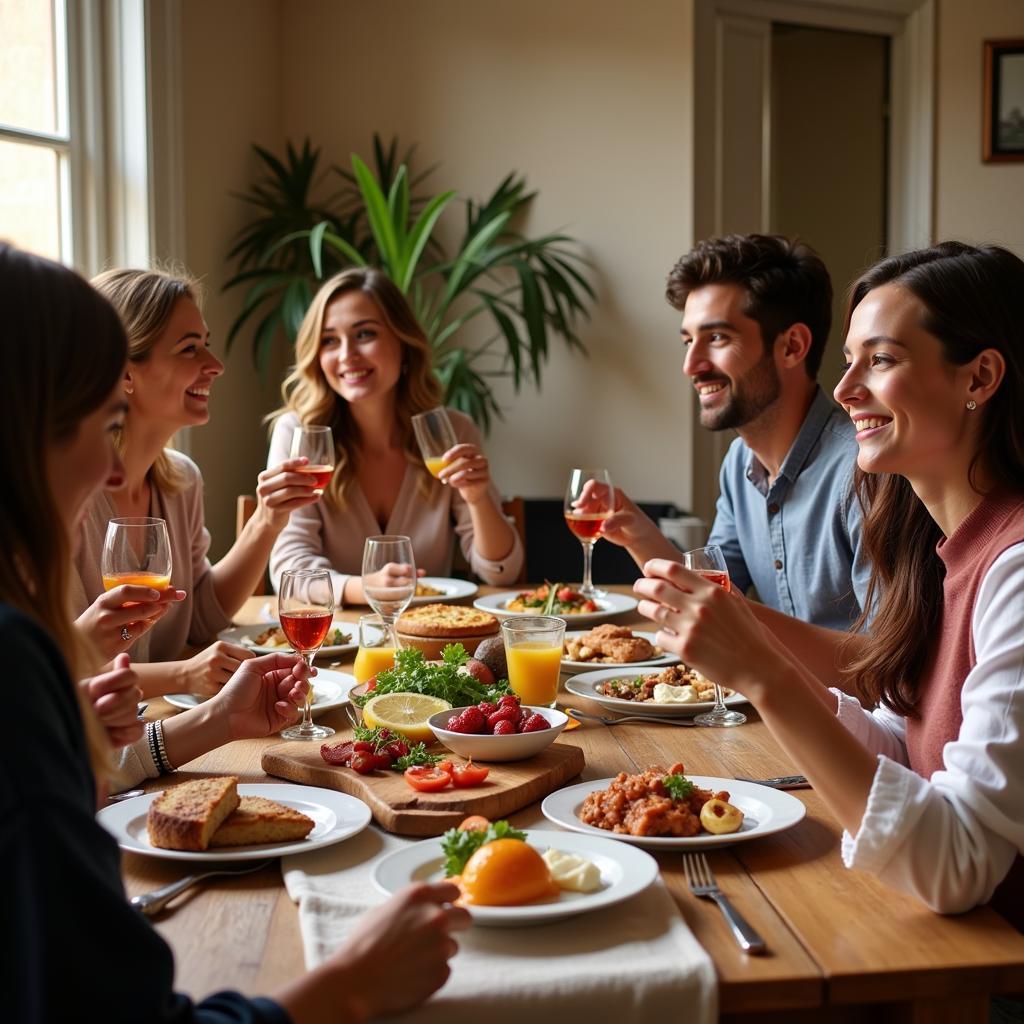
{"points": [[679, 786], [458, 846]]}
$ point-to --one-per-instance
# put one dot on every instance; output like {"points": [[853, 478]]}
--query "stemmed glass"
{"points": [[710, 563], [435, 435], [389, 575], [589, 501], [306, 609], [317, 444], [136, 550]]}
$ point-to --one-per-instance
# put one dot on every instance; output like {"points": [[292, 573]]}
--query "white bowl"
{"points": [[481, 747]]}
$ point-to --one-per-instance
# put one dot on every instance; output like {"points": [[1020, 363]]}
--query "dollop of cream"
{"points": [[570, 871], [666, 693]]}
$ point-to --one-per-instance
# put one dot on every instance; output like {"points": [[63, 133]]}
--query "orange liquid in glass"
{"points": [[718, 576], [533, 671], [435, 465], [371, 660], [156, 580], [321, 475], [306, 629], [586, 525]]}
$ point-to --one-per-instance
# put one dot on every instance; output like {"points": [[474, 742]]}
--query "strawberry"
{"points": [[503, 727], [536, 722], [337, 753], [508, 699], [487, 708], [457, 724], [506, 714], [475, 719]]}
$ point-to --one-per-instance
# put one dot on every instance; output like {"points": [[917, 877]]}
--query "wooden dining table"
{"points": [[842, 946]]}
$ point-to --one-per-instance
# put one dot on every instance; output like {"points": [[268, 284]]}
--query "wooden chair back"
{"points": [[515, 509], [245, 507]]}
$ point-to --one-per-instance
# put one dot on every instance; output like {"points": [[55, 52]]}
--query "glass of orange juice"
{"points": [[435, 436], [377, 646], [136, 550], [533, 650]]}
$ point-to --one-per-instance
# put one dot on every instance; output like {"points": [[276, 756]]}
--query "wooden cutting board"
{"points": [[397, 807]]}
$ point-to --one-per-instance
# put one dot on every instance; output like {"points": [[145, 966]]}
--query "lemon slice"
{"points": [[406, 713]]}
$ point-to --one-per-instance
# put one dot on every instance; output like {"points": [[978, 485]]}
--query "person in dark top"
{"points": [[74, 948]]}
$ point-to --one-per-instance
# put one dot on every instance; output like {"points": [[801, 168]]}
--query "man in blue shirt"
{"points": [[756, 314]]}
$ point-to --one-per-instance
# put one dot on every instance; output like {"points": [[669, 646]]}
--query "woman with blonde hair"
{"points": [[66, 404], [363, 368], [167, 384]]}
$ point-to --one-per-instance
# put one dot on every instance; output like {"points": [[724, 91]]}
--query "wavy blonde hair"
{"points": [[70, 350], [306, 392], [145, 300]]}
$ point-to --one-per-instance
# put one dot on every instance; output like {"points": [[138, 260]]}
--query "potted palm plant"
{"points": [[522, 290]]}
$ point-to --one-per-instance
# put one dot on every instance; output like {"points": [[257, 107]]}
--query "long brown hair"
{"points": [[971, 303], [145, 300], [69, 349], [306, 392]]}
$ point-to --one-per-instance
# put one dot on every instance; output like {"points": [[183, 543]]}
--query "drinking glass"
{"points": [[306, 609], [709, 562], [589, 501], [317, 444], [533, 652], [378, 644], [136, 550], [435, 435], [389, 575]]}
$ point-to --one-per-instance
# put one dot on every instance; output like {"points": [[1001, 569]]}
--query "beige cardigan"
{"points": [[323, 536]]}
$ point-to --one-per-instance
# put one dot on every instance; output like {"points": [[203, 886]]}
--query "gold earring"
{"points": [[972, 405]]}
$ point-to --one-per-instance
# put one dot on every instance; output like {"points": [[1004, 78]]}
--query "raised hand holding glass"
{"points": [[317, 445], [589, 501], [435, 436]]}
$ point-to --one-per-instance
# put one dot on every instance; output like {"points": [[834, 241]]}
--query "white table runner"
{"points": [[636, 961]]}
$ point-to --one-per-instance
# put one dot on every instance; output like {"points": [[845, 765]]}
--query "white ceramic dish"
{"points": [[659, 661], [454, 590], [244, 637], [337, 816], [480, 747], [765, 811], [330, 690], [585, 685], [609, 606], [623, 874]]}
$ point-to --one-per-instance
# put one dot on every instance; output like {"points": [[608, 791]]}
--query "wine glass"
{"points": [[317, 444], [435, 435], [389, 575], [589, 501], [136, 549], [709, 562], [306, 609]]}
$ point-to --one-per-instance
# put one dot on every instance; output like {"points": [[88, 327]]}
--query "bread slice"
{"points": [[185, 816], [259, 820]]}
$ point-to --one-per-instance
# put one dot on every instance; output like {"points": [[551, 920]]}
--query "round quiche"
{"points": [[444, 621]]}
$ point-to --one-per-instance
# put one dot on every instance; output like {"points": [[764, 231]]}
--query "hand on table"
{"points": [[115, 696], [206, 672], [261, 697], [468, 471], [113, 627]]}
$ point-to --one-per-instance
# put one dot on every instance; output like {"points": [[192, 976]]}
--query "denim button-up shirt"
{"points": [[797, 539]]}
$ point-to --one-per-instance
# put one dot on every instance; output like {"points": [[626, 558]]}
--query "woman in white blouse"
{"points": [[927, 784], [363, 368]]}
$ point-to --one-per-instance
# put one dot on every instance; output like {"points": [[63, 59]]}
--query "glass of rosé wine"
{"points": [[589, 501], [317, 445], [709, 562], [306, 610]]}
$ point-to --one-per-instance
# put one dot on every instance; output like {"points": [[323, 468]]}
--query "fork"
{"points": [[586, 715], [151, 903], [701, 880]]}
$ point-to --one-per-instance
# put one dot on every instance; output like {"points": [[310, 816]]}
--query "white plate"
{"points": [[454, 590], [330, 690], [609, 605], [243, 635], [659, 661], [337, 816], [585, 685], [765, 810], [624, 872]]}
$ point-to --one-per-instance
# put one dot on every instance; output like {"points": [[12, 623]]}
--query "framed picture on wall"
{"points": [[1004, 101]]}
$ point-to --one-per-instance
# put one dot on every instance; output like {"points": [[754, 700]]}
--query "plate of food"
{"points": [[269, 638], [442, 588], [330, 690], [557, 599], [675, 691], [545, 874], [225, 819], [609, 644], [702, 811]]}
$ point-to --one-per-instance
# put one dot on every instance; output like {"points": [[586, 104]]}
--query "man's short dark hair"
{"points": [[785, 282]]}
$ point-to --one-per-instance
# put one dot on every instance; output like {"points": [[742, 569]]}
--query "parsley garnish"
{"points": [[417, 755], [679, 786], [459, 846]]}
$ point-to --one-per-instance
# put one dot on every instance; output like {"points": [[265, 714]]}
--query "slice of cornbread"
{"points": [[259, 820], [185, 816]]}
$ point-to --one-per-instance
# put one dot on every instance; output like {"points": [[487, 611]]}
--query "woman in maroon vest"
{"points": [[935, 387]]}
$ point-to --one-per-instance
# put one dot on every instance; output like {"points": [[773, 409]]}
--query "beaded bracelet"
{"points": [[155, 738]]}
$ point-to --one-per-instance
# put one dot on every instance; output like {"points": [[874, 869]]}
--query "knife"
{"points": [[781, 782]]}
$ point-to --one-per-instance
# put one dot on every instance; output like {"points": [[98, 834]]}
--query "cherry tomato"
{"points": [[565, 594], [474, 823], [364, 762], [427, 778], [469, 774], [444, 766]]}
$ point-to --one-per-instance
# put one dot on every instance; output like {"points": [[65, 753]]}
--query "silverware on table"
{"points": [[587, 716], [128, 794], [151, 903], [701, 880], [781, 782]]}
